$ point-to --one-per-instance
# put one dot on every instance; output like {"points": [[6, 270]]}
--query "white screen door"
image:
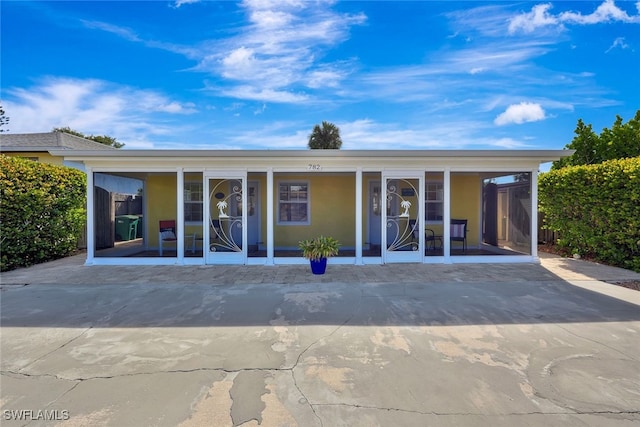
{"points": [[226, 208], [401, 222]]}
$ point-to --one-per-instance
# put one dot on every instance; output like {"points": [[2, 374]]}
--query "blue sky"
{"points": [[261, 74]]}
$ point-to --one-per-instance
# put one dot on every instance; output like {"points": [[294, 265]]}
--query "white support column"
{"points": [[91, 237], [245, 223], [383, 215], [270, 217], [446, 229], [358, 218], [180, 217], [534, 213], [422, 187], [148, 229]]}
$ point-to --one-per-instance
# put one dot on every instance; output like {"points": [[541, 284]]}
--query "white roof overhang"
{"points": [[303, 159]]}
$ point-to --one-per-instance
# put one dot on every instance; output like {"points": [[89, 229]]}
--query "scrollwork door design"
{"points": [[225, 215], [402, 215]]}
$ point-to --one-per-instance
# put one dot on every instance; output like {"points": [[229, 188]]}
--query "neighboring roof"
{"points": [[44, 142]]}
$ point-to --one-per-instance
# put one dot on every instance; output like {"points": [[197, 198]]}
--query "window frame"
{"points": [[428, 201], [307, 202], [192, 202]]}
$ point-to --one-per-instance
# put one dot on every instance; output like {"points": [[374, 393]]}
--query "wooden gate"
{"points": [[104, 211]]}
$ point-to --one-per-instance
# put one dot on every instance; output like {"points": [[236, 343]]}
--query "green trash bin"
{"points": [[139, 226], [126, 227]]}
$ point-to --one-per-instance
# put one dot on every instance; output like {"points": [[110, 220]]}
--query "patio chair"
{"points": [[167, 233], [429, 235], [458, 232], [430, 239], [413, 229]]}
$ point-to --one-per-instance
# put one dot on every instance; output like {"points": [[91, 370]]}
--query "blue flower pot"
{"points": [[319, 266]]}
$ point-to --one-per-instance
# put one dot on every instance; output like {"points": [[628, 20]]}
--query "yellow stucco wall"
{"points": [[160, 199], [332, 209], [42, 156], [466, 196]]}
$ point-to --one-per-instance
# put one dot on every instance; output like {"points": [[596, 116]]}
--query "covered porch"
{"points": [[224, 207]]}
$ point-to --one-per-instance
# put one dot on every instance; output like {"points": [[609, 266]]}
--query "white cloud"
{"points": [[260, 110], [265, 95], [482, 20], [277, 52], [455, 75], [280, 49], [239, 63], [450, 134], [362, 134], [179, 3], [619, 42], [539, 17], [521, 113], [125, 33], [271, 19], [92, 106], [508, 143], [176, 108], [496, 55], [606, 12], [325, 78]]}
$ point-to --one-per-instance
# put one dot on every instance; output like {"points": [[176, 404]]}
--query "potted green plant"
{"points": [[317, 250]]}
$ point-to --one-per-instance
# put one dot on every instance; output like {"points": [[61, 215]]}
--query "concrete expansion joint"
{"points": [[135, 374], [475, 414], [63, 345], [185, 371], [380, 408], [610, 413]]}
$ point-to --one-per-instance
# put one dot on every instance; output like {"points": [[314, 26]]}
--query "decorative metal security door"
{"points": [[401, 220], [226, 209]]}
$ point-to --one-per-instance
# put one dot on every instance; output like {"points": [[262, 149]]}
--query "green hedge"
{"points": [[596, 210], [42, 213]]}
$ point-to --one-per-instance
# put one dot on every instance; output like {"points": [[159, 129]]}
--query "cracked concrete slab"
{"points": [[471, 348]]}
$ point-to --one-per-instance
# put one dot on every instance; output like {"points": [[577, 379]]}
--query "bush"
{"points": [[42, 213], [596, 210]]}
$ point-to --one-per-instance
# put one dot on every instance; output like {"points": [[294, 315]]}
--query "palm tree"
{"points": [[222, 205], [405, 205], [325, 137]]}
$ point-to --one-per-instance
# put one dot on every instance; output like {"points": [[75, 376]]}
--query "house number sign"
{"points": [[314, 167]]}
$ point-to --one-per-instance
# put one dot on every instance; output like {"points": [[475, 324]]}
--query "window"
{"points": [[193, 202], [293, 203], [434, 201]]}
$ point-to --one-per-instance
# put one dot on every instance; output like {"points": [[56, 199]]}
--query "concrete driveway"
{"points": [[410, 345]]}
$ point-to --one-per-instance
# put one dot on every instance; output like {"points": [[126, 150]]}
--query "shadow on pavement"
{"points": [[368, 304]]}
